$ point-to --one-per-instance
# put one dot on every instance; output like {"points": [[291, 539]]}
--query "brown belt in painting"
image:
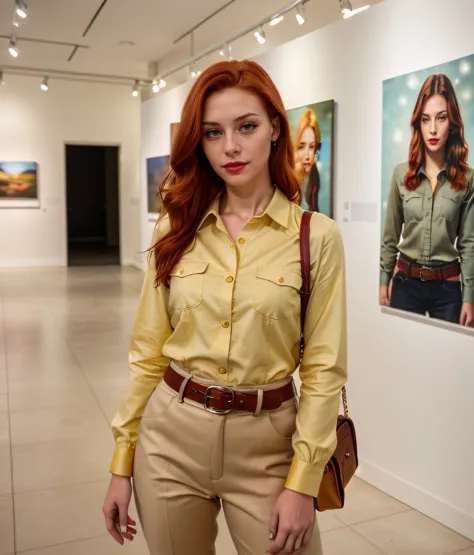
{"points": [[222, 399], [429, 274]]}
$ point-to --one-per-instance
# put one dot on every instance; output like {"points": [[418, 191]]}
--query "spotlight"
{"points": [[276, 20], [194, 72], [260, 36], [348, 14], [135, 89], [156, 87], [346, 7], [300, 14], [226, 52], [162, 83], [44, 84], [13, 49], [21, 9]]}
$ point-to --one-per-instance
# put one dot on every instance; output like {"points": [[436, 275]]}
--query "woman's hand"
{"points": [[384, 295], [467, 315], [292, 523], [117, 521]]}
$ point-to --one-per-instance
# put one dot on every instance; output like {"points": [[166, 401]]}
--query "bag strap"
{"points": [[305, 256], [305, 268]]}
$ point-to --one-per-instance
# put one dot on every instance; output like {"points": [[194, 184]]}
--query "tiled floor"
{"points": [[63, 364]]}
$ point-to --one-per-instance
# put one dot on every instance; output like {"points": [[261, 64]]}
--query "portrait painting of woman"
{"points": [[427, 251], [312, 134]]}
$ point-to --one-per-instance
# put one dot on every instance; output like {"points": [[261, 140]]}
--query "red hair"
{"points": [[191, 185], [456, 147]]}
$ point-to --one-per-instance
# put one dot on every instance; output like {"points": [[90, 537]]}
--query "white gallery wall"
{"points": [[411, 389], [35, 126]]}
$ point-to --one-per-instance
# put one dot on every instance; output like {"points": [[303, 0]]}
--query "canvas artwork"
{"points": [[18, 181], [427, 231], [156, 169], [312, 129]]}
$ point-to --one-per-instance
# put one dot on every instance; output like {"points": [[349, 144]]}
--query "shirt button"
{"points": [[225, 324], [241, 240], [231, 245], [253, 221], [222, 371], [282, 280], [230, 279], [181, 272]]}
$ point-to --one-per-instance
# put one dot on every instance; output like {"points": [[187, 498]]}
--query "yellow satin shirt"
{"points": [[232, 315]]}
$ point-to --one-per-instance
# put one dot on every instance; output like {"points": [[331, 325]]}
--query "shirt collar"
{"points": [[278, 209], [213, 210], [422, 170]]}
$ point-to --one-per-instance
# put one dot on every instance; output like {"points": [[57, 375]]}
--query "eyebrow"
{"points": [[438, 114], [245, 116]]}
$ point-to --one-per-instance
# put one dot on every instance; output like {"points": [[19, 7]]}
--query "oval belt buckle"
{"points": [[222, 389]]}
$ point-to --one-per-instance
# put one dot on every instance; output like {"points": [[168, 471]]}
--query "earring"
{"points": [[274, 143]]}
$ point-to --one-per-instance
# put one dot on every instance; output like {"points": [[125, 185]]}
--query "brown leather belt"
{"points": [[429, 274], [222, 399]]}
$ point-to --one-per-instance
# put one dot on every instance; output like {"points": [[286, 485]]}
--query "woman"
{"points": [[217, 338], [431, 201], [308, 144]]}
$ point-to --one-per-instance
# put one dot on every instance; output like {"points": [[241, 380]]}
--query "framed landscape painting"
{"points": [[19, 184]]}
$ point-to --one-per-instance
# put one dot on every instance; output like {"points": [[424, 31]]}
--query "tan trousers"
{"points": [[189, 462]]}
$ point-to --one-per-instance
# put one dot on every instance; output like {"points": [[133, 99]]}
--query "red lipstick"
{"points": [[235, 167], [433, 142]]}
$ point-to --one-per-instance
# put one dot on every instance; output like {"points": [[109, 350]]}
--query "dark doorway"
{"points": [[93, 227]]}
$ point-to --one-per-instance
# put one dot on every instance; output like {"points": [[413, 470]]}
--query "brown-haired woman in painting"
{"points": [[431, 203], [308, 144]]}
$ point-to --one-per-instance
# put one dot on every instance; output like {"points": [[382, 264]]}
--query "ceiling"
{"points": [[152, 26]]}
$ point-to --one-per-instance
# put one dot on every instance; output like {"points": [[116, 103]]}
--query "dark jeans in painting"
{"points": [[438, 299]]}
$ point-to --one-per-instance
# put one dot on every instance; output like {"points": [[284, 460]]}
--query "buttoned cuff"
{"points": [[468, 294], [122, 461], [305, 477], [385, 278]]}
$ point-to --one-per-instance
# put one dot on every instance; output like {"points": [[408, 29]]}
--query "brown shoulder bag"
{"points": [[343, 464]]}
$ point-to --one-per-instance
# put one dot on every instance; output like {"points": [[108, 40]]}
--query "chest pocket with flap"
{"points": [[186, 284], [277, 292], [412, 206], [451, 203]]}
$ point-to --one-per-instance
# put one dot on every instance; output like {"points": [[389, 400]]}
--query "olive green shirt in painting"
{"points": [[435, 228]]}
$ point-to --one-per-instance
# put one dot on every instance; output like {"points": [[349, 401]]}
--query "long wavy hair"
{"points": [[191, 185], [309, 119], [456, 146]]}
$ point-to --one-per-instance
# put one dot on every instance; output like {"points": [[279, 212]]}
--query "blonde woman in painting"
{"points": [[308, 144]]}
